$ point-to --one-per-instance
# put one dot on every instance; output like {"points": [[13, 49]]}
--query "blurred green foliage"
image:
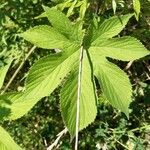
{"points": [[111, 129]]}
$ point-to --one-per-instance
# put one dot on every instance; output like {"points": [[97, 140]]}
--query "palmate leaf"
{"points": [[125, 48], [6, 142], [49, 72], [68, 103]]}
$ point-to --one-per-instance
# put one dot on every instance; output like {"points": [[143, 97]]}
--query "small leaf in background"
{"points": [[63, 5], [137, 8], [70, 10], [83, 9], [6, 142], [121, 3], [114, 6]]}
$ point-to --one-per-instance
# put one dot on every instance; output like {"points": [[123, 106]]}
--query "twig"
{"points": [[16, 72], [141, 128], [57, 140], [128, 65], [122, 144], [78, 98]]}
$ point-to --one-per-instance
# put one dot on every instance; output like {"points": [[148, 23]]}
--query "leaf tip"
{"points": [[44, 7], [127, 114]]}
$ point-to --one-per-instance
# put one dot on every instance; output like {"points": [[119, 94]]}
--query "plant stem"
{"points": [[18, 69], [78, 97], [122, 144], [128, 65], [140, 128], [58, 138]]}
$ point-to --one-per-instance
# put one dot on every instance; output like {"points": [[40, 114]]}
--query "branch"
{"points": [[58, 138], [78, 98], [122, 144], [128, 65], [16, 72]]}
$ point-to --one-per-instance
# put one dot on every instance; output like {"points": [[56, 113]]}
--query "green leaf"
{"points": [[137, 8], [125, 48], [3, 71], [6, 142], [45, 76], [70, 10], [114, 83], [47, 73], [64, 4], [111, 27], [68, 101], [59, 21], [15, 105], [45, 37], [83, 9]]}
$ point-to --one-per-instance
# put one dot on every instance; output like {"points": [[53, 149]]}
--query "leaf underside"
{"points": [[45, 37], [115, 85], [51, 71], [124, 48], [68, 101]]}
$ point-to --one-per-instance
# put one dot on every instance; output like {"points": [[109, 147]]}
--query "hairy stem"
{"points": [[18, 69], [78, 97]]}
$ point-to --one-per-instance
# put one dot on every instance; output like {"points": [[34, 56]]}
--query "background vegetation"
{"points": [[111, 129]]}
